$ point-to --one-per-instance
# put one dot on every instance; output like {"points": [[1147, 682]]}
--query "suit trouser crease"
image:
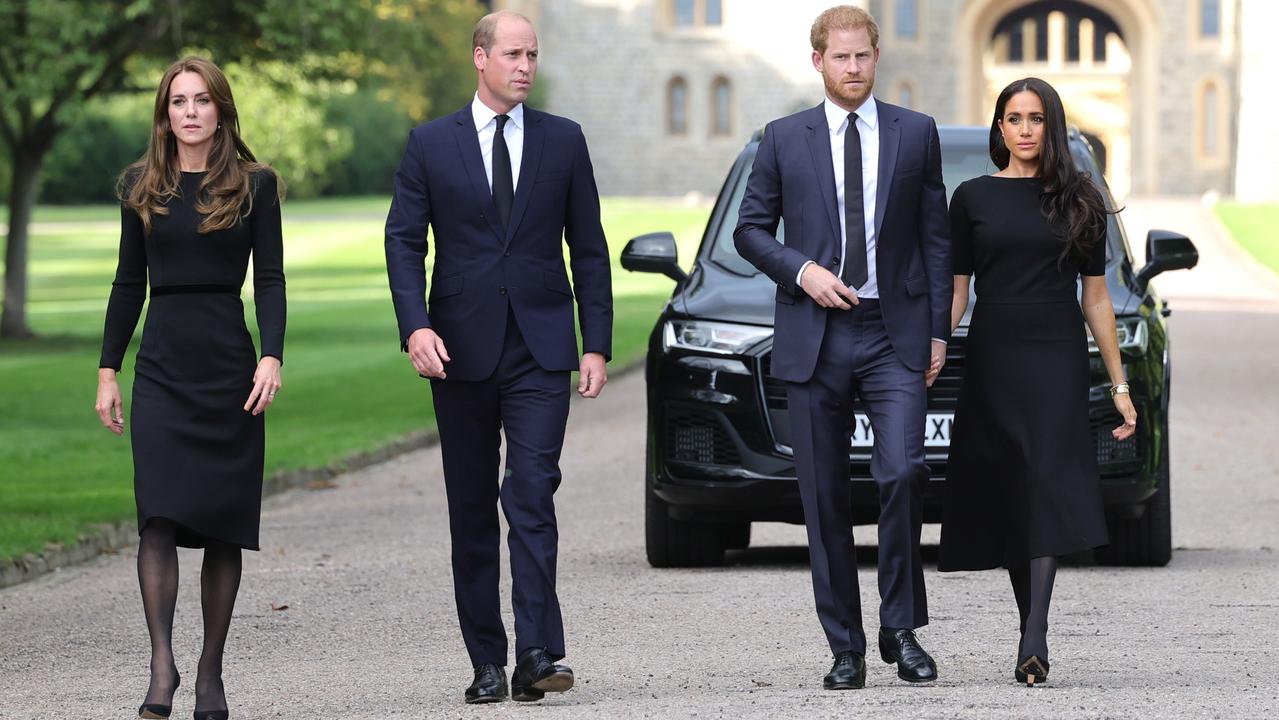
{"points": [[857, 360], [531, 406]]}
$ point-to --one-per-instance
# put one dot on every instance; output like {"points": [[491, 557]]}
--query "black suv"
{"points": [[718, 450]]}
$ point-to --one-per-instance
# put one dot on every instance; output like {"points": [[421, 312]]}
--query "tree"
{"points": [[58, 54]]}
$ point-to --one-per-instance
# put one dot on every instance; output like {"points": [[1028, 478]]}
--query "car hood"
{"points": [[712, 293]]}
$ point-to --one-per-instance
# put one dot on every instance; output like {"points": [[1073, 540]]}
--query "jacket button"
{"points": [[502, 290], [835, 259], [506, 254]]}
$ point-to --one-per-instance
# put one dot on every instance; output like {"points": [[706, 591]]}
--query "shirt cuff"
{"points": [[800, 274]]}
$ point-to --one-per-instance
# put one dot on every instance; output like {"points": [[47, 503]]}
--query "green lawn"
{"points": [[1256, 228], [347, 388]]}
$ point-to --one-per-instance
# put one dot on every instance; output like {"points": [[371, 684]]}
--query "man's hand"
{"points": [[592, 375], [825, 289], [427, 352], [937, 363]]}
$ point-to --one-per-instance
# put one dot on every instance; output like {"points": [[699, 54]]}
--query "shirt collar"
{"points": [[483, 114], [836, 115]]}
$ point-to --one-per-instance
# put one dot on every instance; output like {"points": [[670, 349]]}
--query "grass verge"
{"points": [[347, 388]]}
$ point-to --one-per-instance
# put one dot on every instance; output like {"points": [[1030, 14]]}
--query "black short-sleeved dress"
{"points": [[1022, 479], [197, 455]]}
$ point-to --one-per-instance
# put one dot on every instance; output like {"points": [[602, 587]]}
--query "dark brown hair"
{"points": [[225, 194], [1070, 200]]}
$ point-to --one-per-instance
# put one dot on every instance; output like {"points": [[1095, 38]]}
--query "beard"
{"points": [[851, 96]]}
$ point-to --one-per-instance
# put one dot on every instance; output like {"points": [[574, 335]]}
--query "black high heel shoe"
{"points": [[156, 711], [1032, 671], [212, 714]]}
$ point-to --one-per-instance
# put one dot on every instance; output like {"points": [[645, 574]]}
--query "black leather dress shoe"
{"points": [[848, 672], [535, 675], [489, 685], [902, 647]]}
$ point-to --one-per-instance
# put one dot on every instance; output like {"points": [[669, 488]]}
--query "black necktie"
{"points": [[503, 179], [854, 211]]}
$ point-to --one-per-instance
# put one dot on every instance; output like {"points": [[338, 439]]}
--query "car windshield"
{"points": [[960, 161]]}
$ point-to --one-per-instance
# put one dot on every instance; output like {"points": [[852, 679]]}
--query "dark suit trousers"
{"points": [[531, 406], [857, 360]]}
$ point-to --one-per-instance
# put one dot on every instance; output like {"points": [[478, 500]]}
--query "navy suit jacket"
{"points": [[480, 266], [793, 179]]}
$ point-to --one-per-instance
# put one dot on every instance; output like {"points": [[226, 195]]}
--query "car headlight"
{"points": [[715, 337], [1132, 333]]}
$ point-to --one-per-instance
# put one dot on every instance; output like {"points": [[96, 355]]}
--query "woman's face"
{"points": [[193, 116], [1023, 126]]}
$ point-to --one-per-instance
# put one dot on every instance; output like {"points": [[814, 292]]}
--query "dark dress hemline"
{"points": [[189, 538]]}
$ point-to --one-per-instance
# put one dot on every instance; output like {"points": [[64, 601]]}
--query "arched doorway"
{"points": [[1097, 53]]}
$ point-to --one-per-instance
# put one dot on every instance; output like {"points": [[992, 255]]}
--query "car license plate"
{"points": [[936, 430]]}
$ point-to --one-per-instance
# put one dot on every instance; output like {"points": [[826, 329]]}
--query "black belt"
{"points": [[159, 290]]}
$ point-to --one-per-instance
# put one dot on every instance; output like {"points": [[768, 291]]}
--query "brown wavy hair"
{"points": [[225, 195]]}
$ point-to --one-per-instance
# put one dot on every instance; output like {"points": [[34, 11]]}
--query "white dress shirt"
{"points": [[868, 128], [486, 125]]}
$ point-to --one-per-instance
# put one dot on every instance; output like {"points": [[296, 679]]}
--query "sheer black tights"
{"points": [[1033, 587], [219, 584]]}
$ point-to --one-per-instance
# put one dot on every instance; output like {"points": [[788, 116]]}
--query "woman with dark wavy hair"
{"points": [[194, 209], [1022, 485]]}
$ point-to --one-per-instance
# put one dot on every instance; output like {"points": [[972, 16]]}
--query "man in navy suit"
{"points": [[502, 186], [863, 310]]}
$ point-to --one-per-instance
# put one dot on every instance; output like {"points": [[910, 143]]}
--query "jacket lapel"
{"points": [[819, 146], [534, 138], [889, 136], [468, 144]]}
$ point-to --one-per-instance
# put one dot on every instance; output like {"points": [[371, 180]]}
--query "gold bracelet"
{"points": [[1120, 389]]}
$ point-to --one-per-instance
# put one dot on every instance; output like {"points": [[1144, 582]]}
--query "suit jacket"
{"points": [[480, 266], [793, 179]]}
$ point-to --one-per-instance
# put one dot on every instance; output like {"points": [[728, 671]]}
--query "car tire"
{"points": [[672, 543], [1147, 540]]}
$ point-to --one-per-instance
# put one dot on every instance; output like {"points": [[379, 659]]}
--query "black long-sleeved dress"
{"points": [[1022, 479], [197, 455]]}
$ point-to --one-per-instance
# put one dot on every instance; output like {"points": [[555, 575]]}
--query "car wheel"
{"points": [[670, 542], [1147, 540]]}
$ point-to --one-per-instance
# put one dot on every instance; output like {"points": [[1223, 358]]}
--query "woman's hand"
{"points": [[109, 406], [1123, 403], [266, 383]]}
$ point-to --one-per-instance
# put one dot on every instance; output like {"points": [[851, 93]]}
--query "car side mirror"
{"points": [[1166, 251], [655, 253]]}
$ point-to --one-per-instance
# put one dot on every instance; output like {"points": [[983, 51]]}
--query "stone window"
{"points": [[677, 106], [690, 14], [906, 95], [714, 13], [685, 13], [906, 18], [721, 107], [1209, 18]]}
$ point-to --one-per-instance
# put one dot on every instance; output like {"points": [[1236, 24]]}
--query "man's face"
{"points": [[848, 67], [508, 68]]}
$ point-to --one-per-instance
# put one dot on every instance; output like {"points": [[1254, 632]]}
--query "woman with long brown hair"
{"points": [[194, 209], [1022, 485]]}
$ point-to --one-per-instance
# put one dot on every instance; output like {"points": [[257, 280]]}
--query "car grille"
{"points": [[944, 396], [1110, 450], [695, 436]]}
